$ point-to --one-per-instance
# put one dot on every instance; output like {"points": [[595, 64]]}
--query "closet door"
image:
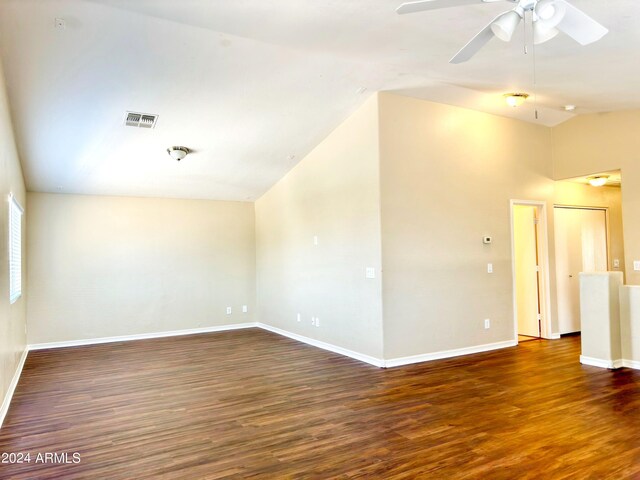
{"points": [[581, 246]]}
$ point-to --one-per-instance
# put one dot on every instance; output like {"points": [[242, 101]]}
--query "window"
{"points": [[15, 249]]}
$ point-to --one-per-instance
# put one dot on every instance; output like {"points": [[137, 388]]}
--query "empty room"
{"points": [[309, 239]]}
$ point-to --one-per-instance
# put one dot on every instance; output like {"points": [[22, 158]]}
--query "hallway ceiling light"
{"points": [[598, 180], [515, 99]]}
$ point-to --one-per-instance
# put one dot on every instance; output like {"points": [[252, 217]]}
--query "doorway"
{"points": [[581, 246], [530, 272]]}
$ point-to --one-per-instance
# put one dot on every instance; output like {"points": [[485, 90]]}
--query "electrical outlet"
{"points": [[245, 309], [228, 310], [636, 265], [616, 263], [317, 322], [299, 318], [315, 240], [370, 272], [489, 267], [487, 323]]}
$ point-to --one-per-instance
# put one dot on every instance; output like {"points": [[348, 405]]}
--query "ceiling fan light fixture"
{"points": [[549, 12], [542, 33], [178, 153], [515, 99], [504, 26], [598, 180]]}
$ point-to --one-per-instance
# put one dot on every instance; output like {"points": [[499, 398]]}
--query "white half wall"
{"points": [[112, 266]]}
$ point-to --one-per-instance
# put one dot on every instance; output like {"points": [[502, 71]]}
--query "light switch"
{"points": [[245, 309], [315, 240], [371, 272], [616, 263], [636, 265], [489, 267]]}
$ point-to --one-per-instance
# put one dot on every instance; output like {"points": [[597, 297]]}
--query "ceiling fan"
{"points": [[549, 18]]}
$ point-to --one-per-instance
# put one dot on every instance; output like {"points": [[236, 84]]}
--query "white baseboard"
{"points": [[378, 362], [631, 364], [12, 386], [426, 357], [598, 362], [141, 336]]}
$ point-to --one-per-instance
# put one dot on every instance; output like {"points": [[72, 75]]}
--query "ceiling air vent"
{"points": [[142, 120]]}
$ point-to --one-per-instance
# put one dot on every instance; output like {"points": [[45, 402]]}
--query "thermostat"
{"points": [[487, 239]]}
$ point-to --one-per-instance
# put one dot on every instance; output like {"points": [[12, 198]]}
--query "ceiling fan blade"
{"points": [[580, 26], [476, 43], [422, 5]]}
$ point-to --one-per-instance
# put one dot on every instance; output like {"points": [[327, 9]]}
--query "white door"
{"points": [[581, 246], [526, 267]]}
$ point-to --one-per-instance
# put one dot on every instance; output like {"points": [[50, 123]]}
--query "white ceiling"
{"points": [[254, 85]]}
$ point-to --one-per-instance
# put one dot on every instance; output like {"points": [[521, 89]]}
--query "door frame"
{"points": [[544, 289]]}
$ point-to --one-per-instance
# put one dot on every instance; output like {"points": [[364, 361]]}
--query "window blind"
{"points": [[15, 249]]}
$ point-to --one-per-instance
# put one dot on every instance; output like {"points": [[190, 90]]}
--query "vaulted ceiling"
{"points": [[252, 85]]}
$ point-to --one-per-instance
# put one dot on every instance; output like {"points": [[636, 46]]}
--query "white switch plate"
{"points": [[616, 263], [489, 267], [315, 240], [317, 322], [370, 272], [487, 323], [245, 309], [228, 310], [636, 265], [299, 318]]}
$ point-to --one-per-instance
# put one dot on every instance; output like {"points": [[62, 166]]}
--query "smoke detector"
{"points": [[141, 120], [178, 153]]}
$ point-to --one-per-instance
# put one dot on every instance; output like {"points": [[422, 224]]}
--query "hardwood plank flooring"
{"points": [[250, 404]]}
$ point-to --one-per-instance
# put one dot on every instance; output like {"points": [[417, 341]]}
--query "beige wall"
{"points": [[110, 266], [447, 175], [575, 194], [601, 142], [12, 316], [630, 323], [333, 194]]}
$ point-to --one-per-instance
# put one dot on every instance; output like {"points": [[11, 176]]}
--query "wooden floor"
{"points": [[251, 404], [527, 338]]}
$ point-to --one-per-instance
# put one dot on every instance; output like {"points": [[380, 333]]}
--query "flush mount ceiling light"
{"points": [[569, 108], [515, 99], [178, 153], [598, 180]]}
